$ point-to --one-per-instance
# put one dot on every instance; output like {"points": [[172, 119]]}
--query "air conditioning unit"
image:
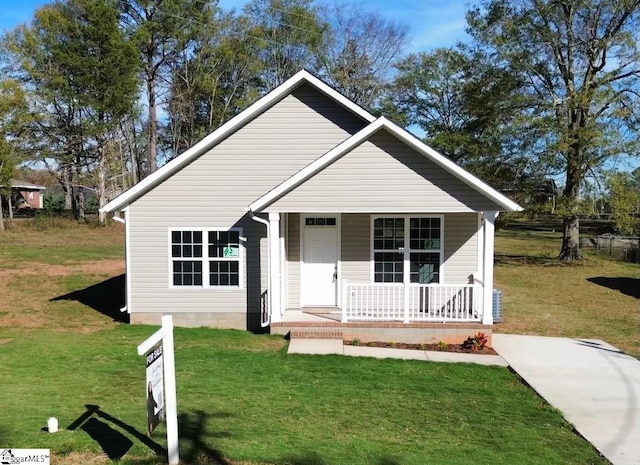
{"points": [[497, 306]]}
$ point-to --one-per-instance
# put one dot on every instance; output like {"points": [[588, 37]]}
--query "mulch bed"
{"points": [[457, 348]]}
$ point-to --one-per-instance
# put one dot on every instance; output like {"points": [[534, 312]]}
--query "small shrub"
{"points": [[475, 343], [355, 342], [391, 344], [442, 345], [422, 347]]}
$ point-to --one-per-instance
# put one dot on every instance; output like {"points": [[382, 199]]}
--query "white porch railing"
{"points": [[411, 302]]}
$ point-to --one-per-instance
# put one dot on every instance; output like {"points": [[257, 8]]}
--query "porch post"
{"points": [[487, 265], [274, 267]]}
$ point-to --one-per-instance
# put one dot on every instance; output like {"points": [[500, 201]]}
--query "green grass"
{"points": [[592, 298], [241, 397], [58, 242], [243, 401]]}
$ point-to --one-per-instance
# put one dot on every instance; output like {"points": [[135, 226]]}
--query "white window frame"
{"points": [[205, 259], [406, 275]]}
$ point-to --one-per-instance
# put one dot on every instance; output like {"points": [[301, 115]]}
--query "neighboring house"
{"points": [[26, 195], [305, 201]]}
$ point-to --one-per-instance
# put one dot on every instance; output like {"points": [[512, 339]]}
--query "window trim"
{"points": [[406, 275], [205, 259]]}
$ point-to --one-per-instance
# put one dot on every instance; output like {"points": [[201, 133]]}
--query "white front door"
{"points": [[319, 271]]}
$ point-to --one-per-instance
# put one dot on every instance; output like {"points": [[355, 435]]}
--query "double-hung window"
{"points": [[205, 258], [407, 249]]}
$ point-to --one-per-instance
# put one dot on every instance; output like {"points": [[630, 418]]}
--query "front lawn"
{"points": [[241, 399]]}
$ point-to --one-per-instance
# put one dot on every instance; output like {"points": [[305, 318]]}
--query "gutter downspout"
{"points": [[266, 223], [126, 307]]}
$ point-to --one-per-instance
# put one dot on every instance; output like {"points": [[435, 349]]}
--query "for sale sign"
{"points": [[155, 388]]}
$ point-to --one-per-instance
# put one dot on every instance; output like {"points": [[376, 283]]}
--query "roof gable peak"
{"points": [[259, 106]]}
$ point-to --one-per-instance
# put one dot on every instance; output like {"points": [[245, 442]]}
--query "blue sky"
{"points": [[432, 23]]}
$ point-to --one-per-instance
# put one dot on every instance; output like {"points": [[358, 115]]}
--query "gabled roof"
{"points": [[349, 144], [25, 185], [273, 97]]}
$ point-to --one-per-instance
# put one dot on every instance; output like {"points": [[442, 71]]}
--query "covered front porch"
{"points": [[328, 268]]}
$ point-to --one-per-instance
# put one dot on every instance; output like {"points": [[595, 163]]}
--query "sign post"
{"points": [[160, 351]]}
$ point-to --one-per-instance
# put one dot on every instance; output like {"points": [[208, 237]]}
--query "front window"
{"points": [[224, 258], [205, 258], [186, 254], [407, 249]]}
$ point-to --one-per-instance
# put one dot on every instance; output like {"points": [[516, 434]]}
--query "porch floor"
{"points": [[312, 315]]}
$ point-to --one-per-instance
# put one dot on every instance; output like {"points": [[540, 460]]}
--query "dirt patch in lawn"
{"points": [[96, 267], [30, 292], [457, 348], [81, 458]]}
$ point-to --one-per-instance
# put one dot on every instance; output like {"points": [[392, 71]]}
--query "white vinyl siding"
{"points": [[293, 261], [356, 247], [461, 247], [213, 191], [383, 175]]}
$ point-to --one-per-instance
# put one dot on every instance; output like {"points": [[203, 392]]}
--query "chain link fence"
{"points": [[624, 248]]}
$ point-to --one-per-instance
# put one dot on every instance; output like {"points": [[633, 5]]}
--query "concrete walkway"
{"points": [[594, 385], [335, 346]]}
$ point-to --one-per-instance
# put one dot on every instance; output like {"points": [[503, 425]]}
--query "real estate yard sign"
{"points": [[161, 396], [155, 388]]}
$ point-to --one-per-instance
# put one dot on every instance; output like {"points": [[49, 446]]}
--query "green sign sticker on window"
{"points": [[231, 252]]}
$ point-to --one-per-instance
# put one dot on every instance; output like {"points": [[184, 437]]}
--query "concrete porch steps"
{"points": [[383, 331]]}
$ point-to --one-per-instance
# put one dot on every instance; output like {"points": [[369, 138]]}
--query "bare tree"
{"points": [[360, 52]]}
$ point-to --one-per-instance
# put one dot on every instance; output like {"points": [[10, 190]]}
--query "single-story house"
{"points": [[307, 203], [26, 194]]}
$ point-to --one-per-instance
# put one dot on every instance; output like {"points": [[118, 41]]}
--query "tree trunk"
{"points": [[571, 224], [102, 181], [67, 188], [1, 215], [10, 205], [153, 116], [81, 204], [570, 239]]}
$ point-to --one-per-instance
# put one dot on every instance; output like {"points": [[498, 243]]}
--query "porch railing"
{"points": [[411, 302]]}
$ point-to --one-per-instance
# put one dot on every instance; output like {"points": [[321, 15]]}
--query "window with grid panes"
{"points": [[407, 245], [198, 255], [388, 244], [224, 258], [424, 250], [186, 254]]}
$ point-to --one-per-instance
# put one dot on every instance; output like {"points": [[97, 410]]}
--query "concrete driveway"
{"points": [[594, 385]]}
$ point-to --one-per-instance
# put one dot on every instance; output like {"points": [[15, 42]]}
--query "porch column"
{"points": [[487, 265], [275, 306]]}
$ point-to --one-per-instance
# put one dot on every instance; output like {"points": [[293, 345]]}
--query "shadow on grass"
{"points": [[193, 432], [520, 259], [313, 458], [628, 286], [106, 297], [114, 443]]}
